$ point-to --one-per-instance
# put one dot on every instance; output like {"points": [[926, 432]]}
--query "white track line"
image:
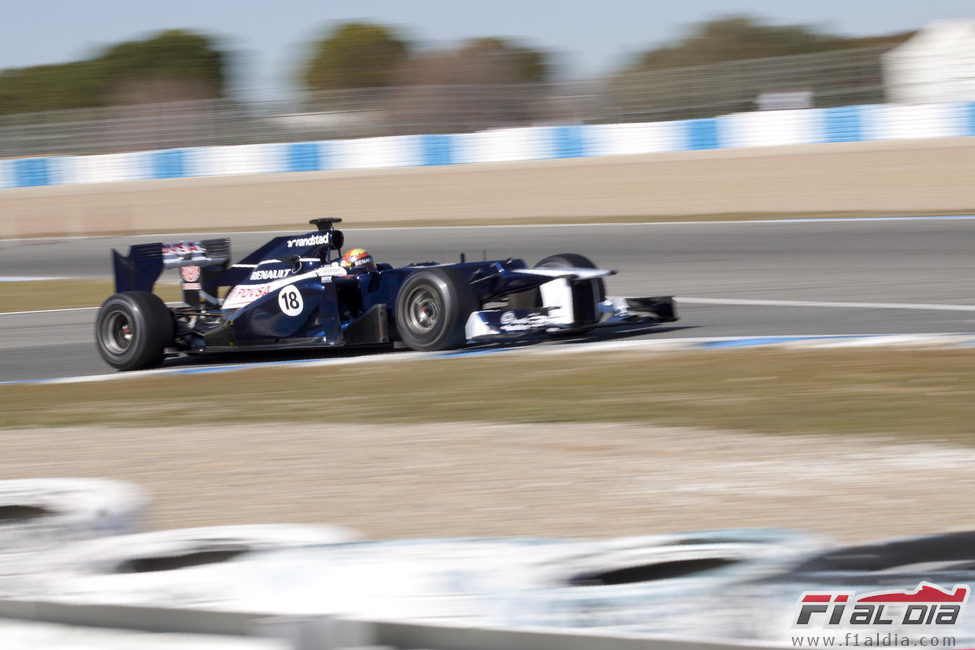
{"points": [[746, 302], [797, 220], [935, 341], [920, 306], [48, 311], [44, 311]]}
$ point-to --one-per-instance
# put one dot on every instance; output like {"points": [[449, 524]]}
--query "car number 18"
{"points": [[290, 300]]}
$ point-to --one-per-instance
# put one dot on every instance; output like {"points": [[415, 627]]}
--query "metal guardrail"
{"points": [[839, 78], [327, 633], [831, 79]]}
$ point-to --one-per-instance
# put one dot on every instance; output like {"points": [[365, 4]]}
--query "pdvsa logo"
{"points": [[928, 604]]}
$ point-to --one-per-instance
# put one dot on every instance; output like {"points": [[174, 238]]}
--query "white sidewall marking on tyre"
{"points": [[290, 300]]}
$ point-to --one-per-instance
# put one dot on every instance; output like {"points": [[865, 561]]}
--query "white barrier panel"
{"points": [[370, 153], [236, 159], [6, 174], [753, 129], [499, 145], [770, 128], [898, 122], [104, 168], [635, 138]]}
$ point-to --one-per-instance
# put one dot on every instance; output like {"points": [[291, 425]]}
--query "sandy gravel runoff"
{"points": [[886, 176], [484, 479]]}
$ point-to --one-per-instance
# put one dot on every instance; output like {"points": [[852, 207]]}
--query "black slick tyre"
{"points": [[432, 308], [133, 330]]}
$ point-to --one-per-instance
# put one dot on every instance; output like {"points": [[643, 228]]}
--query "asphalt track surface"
{"points": [[760, 278]]}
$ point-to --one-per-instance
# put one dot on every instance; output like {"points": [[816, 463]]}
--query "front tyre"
{"points": [[432, 309], [133, 330]]}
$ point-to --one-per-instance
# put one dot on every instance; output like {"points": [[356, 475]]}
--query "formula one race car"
{"points": [[293, 293]]}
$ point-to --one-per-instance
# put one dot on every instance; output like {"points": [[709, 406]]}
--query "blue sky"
{"points": [[269, 37]]}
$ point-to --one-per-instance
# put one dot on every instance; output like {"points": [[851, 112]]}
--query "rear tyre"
{"points": [[532, 298], [133, 330], [432, 309]]}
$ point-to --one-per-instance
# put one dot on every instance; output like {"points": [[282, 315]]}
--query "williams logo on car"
{"points": [[927, 604], [190, 273]]}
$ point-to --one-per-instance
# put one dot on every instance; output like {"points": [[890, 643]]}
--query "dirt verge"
{"points": [[893, 176], [543, 479]]}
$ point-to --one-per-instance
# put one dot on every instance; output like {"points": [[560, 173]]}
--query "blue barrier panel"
{"points": [[437, 149], [169, 163], [303, 157], [32, 172], [567, 142], [702, 133], [838, 124], [842, 124]]}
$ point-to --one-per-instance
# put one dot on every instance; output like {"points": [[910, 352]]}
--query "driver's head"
{"points": [[358, 260]]}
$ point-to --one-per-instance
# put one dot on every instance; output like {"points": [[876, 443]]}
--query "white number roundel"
{"points": [[290, 300]]}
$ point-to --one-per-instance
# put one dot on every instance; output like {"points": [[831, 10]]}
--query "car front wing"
{"points": [[490, 324]]}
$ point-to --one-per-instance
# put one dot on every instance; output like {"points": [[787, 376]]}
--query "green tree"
{"points": [[734, 38], [487, 60], [355, 55], [457, 89], [49, 87], [739, 60], [186, 64], [513, 62], [171, 65]]}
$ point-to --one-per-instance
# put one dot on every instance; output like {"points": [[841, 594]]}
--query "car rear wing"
{"points": [[198, 261]]}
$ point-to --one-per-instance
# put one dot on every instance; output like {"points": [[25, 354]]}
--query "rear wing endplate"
{"points": [[139, 270]]}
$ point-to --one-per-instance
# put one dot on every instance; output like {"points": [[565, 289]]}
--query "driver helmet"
{"points": [[358, 260]]}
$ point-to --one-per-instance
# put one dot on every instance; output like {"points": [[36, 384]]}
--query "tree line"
{"points": [[182, 65], [172, 65]]}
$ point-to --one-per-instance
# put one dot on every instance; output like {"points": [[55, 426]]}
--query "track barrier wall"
{"points": [[874, 122], [326, 633]]}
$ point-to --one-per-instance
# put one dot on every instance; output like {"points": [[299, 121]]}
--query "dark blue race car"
{"points": [[292, 292]]}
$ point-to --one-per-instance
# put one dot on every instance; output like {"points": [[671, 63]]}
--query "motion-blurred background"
{"points": [[852, 420], [107, 78]]}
